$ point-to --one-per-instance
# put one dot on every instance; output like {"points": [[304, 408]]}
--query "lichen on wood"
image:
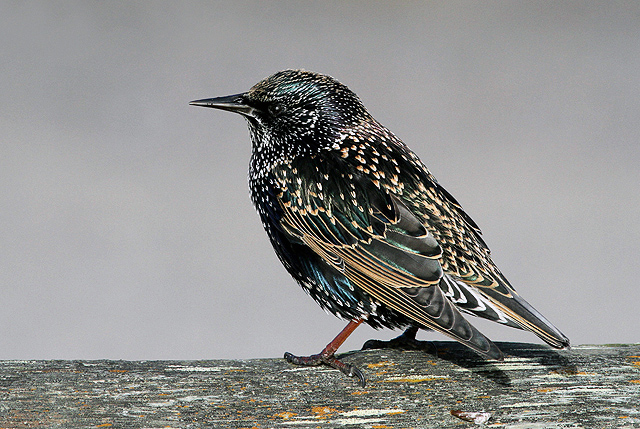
{"points": [[535, 387]]}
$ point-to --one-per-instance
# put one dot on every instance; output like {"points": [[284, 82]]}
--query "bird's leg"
{"points": [[406, 341], [327, 356]]}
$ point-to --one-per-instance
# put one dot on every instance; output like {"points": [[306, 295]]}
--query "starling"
{"points": [[362, 225]]}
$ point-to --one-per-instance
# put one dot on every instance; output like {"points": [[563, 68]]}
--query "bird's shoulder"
{"points": [[358, 175]]}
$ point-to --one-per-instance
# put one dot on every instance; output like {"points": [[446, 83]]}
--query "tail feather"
{"points": [[511, 310], [523, 313]]}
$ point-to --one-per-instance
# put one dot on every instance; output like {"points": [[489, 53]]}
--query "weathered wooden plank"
{"points": [[535, 387]]}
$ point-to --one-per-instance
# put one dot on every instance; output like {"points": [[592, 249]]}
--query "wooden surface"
{"points": [[535, 387]]}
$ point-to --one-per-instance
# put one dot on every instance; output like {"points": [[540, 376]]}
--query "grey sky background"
{"points": [[126, 226]]}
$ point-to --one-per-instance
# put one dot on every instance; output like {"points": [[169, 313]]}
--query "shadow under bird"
{"points": [[362, 225]]}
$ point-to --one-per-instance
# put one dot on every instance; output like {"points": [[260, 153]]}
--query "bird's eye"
{"points": [[276, 109]]}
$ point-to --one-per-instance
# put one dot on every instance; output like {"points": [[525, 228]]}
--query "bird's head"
{"points": [[294, 110]]}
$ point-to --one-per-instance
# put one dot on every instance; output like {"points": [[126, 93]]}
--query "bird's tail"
{"points": [[503, 305], [528, 318]]}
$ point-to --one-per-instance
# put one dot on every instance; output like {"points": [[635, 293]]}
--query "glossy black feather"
{"points": [[360, 222]]}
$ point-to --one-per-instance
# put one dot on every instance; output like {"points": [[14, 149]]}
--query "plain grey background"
{"points": [[126, 227]]}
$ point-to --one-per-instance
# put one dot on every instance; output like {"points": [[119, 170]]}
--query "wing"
{"points": [[472, 281], [372, 239]]}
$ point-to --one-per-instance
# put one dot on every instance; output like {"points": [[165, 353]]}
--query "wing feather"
{"points": [[386, 253]]}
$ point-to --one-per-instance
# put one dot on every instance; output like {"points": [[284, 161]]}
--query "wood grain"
{"points": [[535, 387]]}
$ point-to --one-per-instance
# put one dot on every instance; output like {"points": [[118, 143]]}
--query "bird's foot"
{"points": [[406, 341], [327, 356], [330, 360]]}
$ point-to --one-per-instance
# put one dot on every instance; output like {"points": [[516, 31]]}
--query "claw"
{"points": [[354, 371], [347, 369]]}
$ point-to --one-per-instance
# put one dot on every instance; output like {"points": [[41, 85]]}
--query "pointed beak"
{"points": [[233, 103]]}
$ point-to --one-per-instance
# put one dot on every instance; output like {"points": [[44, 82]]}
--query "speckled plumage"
{"points": [[359, 221]]}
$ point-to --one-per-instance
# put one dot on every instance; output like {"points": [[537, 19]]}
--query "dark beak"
{"points": [[233, 103]]}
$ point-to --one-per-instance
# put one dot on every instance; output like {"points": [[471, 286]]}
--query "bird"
{"points": [[363, 226]]}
